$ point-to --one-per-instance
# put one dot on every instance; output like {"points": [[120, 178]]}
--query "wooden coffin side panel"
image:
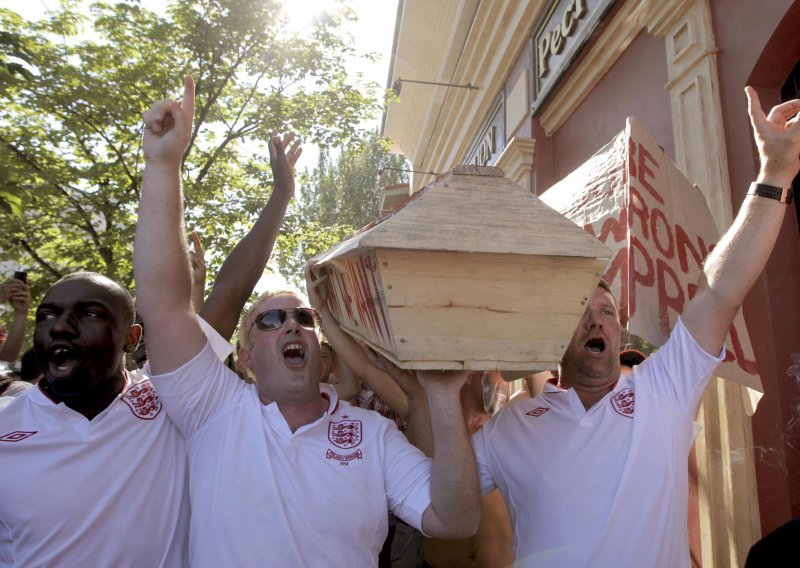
{"points": [[356, 298], [483, 311]]}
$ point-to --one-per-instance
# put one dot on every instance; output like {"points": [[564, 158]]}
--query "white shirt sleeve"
{"points": [[221, 346], [407, 473], [679, 371], [198, 390]]}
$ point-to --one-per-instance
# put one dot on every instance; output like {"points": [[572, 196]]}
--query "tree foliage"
{"points": [[300, 240], [347, 190], [70, 136], [14, 58], [340, 195]]}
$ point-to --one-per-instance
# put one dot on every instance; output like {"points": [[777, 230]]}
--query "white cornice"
{"points": [[444, 122], [516, 161]]}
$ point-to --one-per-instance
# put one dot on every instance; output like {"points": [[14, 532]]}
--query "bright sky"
{"points": [[373, 33]]}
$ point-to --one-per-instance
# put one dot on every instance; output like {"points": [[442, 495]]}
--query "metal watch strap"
{"points": [[784, 195]]}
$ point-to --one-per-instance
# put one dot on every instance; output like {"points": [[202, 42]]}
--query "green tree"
{"points": [[13, 60], [347, 191], [301, 239], [70, 138]]}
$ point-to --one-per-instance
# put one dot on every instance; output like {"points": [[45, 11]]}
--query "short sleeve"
{"points": [[407, 473], [198, 390], [679, 371]]}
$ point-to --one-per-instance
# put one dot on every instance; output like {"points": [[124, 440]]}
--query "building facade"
{"points": [[537, 87]]}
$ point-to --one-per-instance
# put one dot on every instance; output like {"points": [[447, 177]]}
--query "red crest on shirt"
{"points": [[141, 398], [345, 434], [624, 402], [537, 411]]}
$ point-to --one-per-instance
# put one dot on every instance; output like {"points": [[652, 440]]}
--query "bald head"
{"points": [[123, 301]]}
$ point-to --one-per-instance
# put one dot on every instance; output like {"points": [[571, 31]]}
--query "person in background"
{"points": [[16, 292], [29, 370]]}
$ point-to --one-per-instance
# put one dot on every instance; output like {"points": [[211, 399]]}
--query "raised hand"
{"points": [[18, 295], [405, 379], [777, 137], [282, 160], [198, 260], [168, 127]]}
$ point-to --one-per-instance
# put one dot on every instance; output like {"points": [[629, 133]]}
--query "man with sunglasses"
{"points": [[281, 472]]}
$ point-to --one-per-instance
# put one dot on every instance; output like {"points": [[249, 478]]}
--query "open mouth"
{"points": [[596, 345], [294, 354], [62, 360]]}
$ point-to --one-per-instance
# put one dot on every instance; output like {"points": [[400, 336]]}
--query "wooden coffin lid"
{"points": [[474, 209]]}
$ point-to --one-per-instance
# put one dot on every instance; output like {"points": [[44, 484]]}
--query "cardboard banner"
{"points": [[636, 201]]}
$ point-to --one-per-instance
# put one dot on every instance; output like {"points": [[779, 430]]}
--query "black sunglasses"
{"points": [[275, 319]]}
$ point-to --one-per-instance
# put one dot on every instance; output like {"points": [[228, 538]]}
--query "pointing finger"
{"points": [[196, 244], [757, 116]]}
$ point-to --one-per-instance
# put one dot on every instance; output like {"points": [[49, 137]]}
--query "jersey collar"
{"points": [[329, 393]]}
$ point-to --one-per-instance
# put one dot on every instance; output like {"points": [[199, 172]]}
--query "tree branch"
{"points": [[87, 223], [42, 262]]}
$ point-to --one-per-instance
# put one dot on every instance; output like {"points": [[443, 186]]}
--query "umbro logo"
{"points": [[538, 411], [16, 436]]}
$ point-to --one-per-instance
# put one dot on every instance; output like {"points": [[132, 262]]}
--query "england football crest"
{"points": [[345, 434], [624, 402], [141, 398]]}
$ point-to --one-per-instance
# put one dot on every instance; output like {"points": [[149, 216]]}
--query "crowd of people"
{"points": [[294, 450]]}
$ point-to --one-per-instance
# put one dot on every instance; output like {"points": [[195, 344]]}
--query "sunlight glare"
{"points": [[301, 13]]}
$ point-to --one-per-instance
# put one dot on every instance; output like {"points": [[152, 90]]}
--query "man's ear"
{"points": [[245, 363], [132, 338]]}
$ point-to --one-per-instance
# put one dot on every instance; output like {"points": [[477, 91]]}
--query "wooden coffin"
{"points": [[471, 272]]}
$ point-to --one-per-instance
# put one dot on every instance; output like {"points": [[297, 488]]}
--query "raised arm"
{"points": [[741, 254], [198, 262], [160, 262], [18, 295], [455, 498], [245, 264], [418, 421], [351, 353]]}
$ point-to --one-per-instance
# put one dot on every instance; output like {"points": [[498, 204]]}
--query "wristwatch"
{"points": [[784, 195]]}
